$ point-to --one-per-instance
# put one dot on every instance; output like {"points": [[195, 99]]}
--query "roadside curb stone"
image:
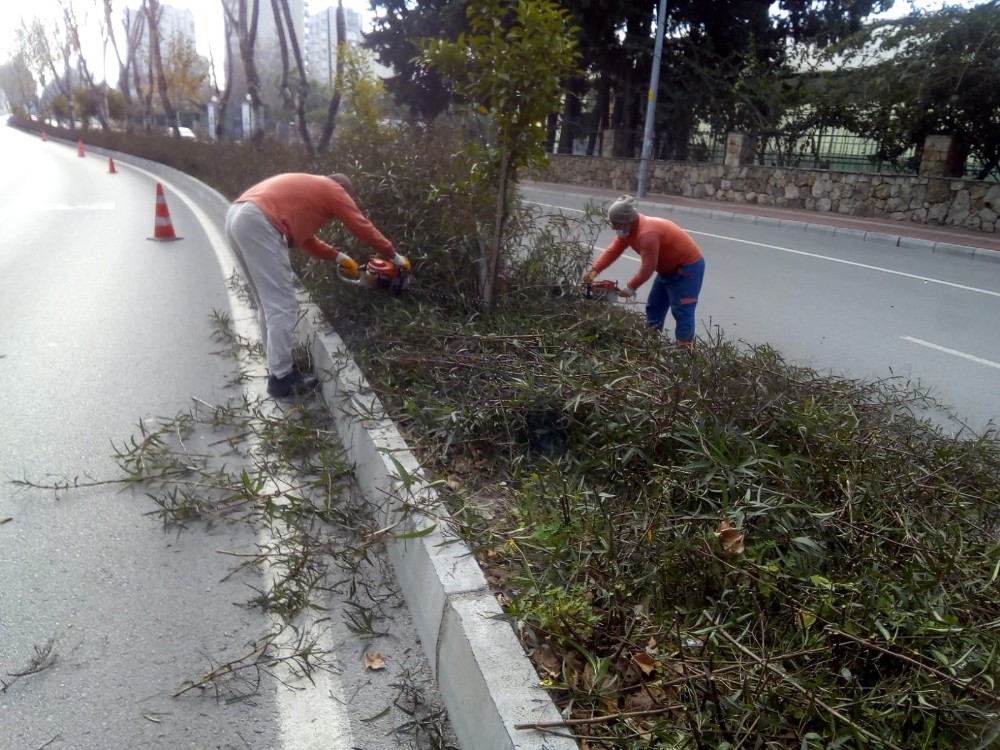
{"points": [[485, 678]]}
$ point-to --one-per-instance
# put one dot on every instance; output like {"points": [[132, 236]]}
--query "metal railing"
{"points": [[835, 150]]}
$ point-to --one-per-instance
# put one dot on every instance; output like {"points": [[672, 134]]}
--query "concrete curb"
{"points": [[484, 676]]}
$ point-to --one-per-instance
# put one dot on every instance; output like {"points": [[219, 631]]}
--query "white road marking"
{"points": [[81, 207], [298, 708], [560, 208], [880, 269], [953, 352]]}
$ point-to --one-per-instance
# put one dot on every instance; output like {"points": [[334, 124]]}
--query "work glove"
{"points": [[348, 266], [589, 277], [626, 293], [401, 261]]}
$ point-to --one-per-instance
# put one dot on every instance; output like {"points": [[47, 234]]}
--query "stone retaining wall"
{"points": [[926, 200]]}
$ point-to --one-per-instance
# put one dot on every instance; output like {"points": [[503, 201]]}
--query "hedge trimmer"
{"points": [[379, 273], [604, 290]]}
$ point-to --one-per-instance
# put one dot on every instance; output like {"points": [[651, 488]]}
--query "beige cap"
{"points": [[344, 181], [623, 210]]}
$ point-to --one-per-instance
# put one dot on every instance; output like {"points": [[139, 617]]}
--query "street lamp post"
{"points": [[654, 84]]}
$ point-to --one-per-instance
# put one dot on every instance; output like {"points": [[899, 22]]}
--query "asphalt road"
{"points": [[841, 305], [100, 328]]}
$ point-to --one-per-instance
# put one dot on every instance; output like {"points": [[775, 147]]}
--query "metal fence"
{"points": [[835, 150]]}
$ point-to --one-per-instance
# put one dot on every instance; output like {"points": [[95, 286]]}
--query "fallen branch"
{"points": [[602, 719]]}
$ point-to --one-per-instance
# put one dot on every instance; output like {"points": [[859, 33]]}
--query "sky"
{"points": [[208, 18], [209, 25]]}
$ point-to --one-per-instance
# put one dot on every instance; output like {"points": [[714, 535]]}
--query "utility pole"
{"points": [[654, 83]]}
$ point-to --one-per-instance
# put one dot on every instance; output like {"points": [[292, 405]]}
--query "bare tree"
{"points": [[153, 15], [243, 20], [98, 92], [338, 83], [39, 46], [144, 93], [298, 101], [220, 128], [134, 23]]}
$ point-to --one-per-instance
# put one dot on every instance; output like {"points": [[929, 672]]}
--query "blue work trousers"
{"points": [[677, 292]]}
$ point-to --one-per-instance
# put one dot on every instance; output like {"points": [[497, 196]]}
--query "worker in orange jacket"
{"points": [[283, 212], [664, 249]]}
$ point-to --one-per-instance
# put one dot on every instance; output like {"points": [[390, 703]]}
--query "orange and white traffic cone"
{"points": [[111, 165], [163, 230], [79, 148]]}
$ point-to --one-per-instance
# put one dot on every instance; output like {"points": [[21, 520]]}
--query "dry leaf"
{"points": [[374, 661], [639, 701], [645, 662], [547, 661], [731, 538]]}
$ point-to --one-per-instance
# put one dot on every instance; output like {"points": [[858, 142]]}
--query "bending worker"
{"points": [[666, 250], [279, 213]]}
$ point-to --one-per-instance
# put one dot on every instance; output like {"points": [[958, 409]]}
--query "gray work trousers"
{"points": [[262, 253]]}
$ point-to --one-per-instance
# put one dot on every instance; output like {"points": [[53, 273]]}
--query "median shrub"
{"points": [[699, 548]]}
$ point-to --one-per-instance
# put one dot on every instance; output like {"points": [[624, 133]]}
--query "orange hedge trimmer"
{"points": [[379, 273], [605, 290]]}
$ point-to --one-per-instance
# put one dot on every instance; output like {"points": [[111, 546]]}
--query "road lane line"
{"points": [[926, 279], [880, 269], [954, 352], [80, 207], [560, 208]]}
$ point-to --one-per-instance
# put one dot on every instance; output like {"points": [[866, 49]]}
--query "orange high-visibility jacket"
{"points": [[298, 204], [662, 245]]}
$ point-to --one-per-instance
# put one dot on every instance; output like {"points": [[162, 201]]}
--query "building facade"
{"points": [[321, 42]]}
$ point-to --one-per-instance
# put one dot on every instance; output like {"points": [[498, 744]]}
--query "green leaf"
{"points": [[417, 534]]}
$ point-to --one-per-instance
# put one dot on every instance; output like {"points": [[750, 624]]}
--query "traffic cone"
{"points": [[111, 165], [79, 148], [44, 137], [163, 230]]}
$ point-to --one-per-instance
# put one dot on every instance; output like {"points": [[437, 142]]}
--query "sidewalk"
{"points": [[939, 238]]}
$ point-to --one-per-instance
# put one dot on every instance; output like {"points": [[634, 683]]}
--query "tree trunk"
{"points": [[302, 90], [220, 123], [246, 31], [133, 28], [490, 285], [156, 62], [570, 115], [338, 82]]}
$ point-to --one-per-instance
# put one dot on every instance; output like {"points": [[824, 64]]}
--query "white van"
{"points": [[184, 132]]}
